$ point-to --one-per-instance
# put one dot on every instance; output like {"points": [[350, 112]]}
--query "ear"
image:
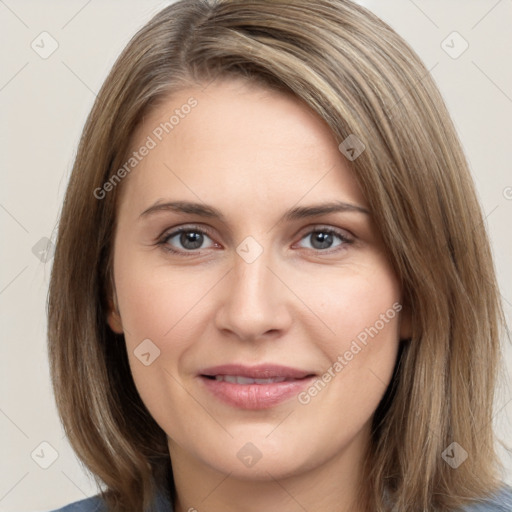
{"points": [[405, 323], [113, 316]]}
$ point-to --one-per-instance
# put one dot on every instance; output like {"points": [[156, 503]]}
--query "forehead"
{"points": [[237, 144]]}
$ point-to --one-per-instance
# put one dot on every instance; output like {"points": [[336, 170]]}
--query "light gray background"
{"points": [[44, 103]]}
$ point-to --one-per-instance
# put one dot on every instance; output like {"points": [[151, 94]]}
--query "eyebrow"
{"points": [[296, 213]]}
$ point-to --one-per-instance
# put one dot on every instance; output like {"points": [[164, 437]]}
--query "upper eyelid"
{"points": [[170, 233], [307, 230], [346, 238]]}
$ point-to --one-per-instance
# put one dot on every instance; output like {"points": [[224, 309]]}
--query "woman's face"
{"points": [[279, 276]]}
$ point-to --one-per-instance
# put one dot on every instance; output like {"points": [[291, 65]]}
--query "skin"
{"points": [[254, 154]]}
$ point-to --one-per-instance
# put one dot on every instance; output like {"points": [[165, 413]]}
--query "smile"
{"points": [[254, 387]]}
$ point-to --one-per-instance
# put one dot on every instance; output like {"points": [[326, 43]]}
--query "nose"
{"points": [[254, 303]]}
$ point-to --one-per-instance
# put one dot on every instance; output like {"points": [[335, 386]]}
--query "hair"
{"points": [[362, 78]]}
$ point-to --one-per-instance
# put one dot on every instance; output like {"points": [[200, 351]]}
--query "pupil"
{"points": [[191, 240], [324, 240]]}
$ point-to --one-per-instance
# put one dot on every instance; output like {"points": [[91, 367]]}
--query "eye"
{"points": [[186, 239], [189, 239], [325, 238]]}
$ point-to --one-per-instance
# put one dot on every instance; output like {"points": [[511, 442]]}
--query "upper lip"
{"points": [[260, 371]]}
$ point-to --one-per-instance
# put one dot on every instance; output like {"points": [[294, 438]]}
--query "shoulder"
{"points": [[501, 501], [94, 504]]}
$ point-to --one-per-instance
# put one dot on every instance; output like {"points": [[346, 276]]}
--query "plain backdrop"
{"points": [[44, 100]]}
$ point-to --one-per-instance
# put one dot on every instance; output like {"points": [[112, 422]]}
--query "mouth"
{"points": [[238, 379], [255, 387]]}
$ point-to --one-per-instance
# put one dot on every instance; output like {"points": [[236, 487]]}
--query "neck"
{"points": [[331, 487]]}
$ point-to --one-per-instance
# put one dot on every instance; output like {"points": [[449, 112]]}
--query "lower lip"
{"points": [[255, 396]]}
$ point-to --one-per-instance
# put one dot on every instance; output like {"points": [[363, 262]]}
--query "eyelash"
{"points": [[163, 240]]}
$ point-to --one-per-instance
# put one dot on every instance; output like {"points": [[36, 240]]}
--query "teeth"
{"points": [[235, 379]]}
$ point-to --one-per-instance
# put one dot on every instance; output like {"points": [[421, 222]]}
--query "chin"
{"points": [[261, 459]]}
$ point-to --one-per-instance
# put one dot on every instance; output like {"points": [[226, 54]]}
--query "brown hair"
{"points": [[358, 75]]}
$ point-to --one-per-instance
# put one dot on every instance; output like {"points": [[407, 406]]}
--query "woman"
{"points": [[271, 289]]}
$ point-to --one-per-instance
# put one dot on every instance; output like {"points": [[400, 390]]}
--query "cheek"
{"points": [[362, 312], [153, 301], [169, 308], [352, 302], [164, 307]]}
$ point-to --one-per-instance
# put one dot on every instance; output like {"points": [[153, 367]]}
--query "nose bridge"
{"points": [[251, 280], [254, 302]]}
